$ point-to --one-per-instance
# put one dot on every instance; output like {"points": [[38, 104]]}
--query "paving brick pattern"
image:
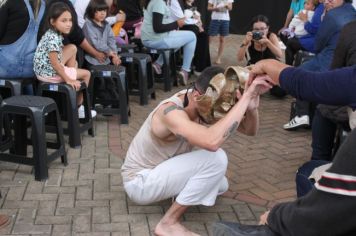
{"points": [[87, 197]]}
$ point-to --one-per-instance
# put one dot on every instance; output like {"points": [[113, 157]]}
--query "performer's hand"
{"points": [[263, 218], [257, 70]]}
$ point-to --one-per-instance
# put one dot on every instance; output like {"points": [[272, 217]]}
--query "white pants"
{"points": [[196, 178]]}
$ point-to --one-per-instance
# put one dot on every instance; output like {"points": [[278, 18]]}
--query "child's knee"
{"points": [[71, 48]]}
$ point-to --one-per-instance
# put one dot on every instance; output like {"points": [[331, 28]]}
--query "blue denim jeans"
{"points": [[16, 59], [176, 39], [323, 135], [304, 184]]}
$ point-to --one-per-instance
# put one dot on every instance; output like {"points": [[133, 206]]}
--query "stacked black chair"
{"points": [[168, 67], [66, 99], [14, 87], [118, 106], [139, 70], [41, 112]]}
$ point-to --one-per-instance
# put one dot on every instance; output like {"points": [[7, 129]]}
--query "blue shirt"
{"points": [[312, 27], [296, 6], [327, 36], [336, 87]]}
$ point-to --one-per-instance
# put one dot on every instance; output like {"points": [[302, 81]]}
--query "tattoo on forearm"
{"points": [[180, 137], [172, 108], [231, 129]]}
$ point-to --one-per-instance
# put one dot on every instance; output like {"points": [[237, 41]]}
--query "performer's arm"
{"points": [[212, 137], [336, 87]]}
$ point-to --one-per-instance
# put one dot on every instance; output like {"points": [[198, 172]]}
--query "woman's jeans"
{"points": [[303, 183], [175, 40], [323, 135]]}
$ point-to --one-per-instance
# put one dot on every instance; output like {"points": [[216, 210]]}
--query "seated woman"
{"points": [[160, 32], [133, 11], [339, 13], [260, 44], [19, 22], [193, 23], [306, 42]]}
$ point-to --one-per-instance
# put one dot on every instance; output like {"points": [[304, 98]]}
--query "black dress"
{"points": [[256, 56], [201, 58]]}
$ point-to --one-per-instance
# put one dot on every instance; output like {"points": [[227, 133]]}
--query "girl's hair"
{"points": [[260, 18], [94, 6], [54, 12]]}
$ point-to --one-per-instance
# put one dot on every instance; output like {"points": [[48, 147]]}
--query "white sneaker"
{"points": [[297, 122], [81, 112], [196, 73]]}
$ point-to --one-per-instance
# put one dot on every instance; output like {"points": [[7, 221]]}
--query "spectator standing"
{"points": [[220, 23], [19, 22]]}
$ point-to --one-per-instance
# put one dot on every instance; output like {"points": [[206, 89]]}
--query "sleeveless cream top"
{"points": [[146, 150]]}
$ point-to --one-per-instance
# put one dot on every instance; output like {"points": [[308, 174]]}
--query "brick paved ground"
{"points": [[87, 197]]}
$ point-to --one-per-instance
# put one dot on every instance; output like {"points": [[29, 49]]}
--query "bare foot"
{"points": [[165, 229], [218, 61]]}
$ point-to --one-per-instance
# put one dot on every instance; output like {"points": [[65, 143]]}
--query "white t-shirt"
{"points": [[220, 15]]}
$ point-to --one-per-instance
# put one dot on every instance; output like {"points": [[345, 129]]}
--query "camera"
{"points": [[257, 35]]}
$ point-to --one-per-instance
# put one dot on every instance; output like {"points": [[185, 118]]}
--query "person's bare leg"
{"points": [[169, 225], [221, 49], [69, 55], [83, 75]]}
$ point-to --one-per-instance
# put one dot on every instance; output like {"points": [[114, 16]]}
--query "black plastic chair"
{"points": [[118, 107], [168, 67], [66, 99], [126, 48], [139, 70], [14, 87], [39, 110]]}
